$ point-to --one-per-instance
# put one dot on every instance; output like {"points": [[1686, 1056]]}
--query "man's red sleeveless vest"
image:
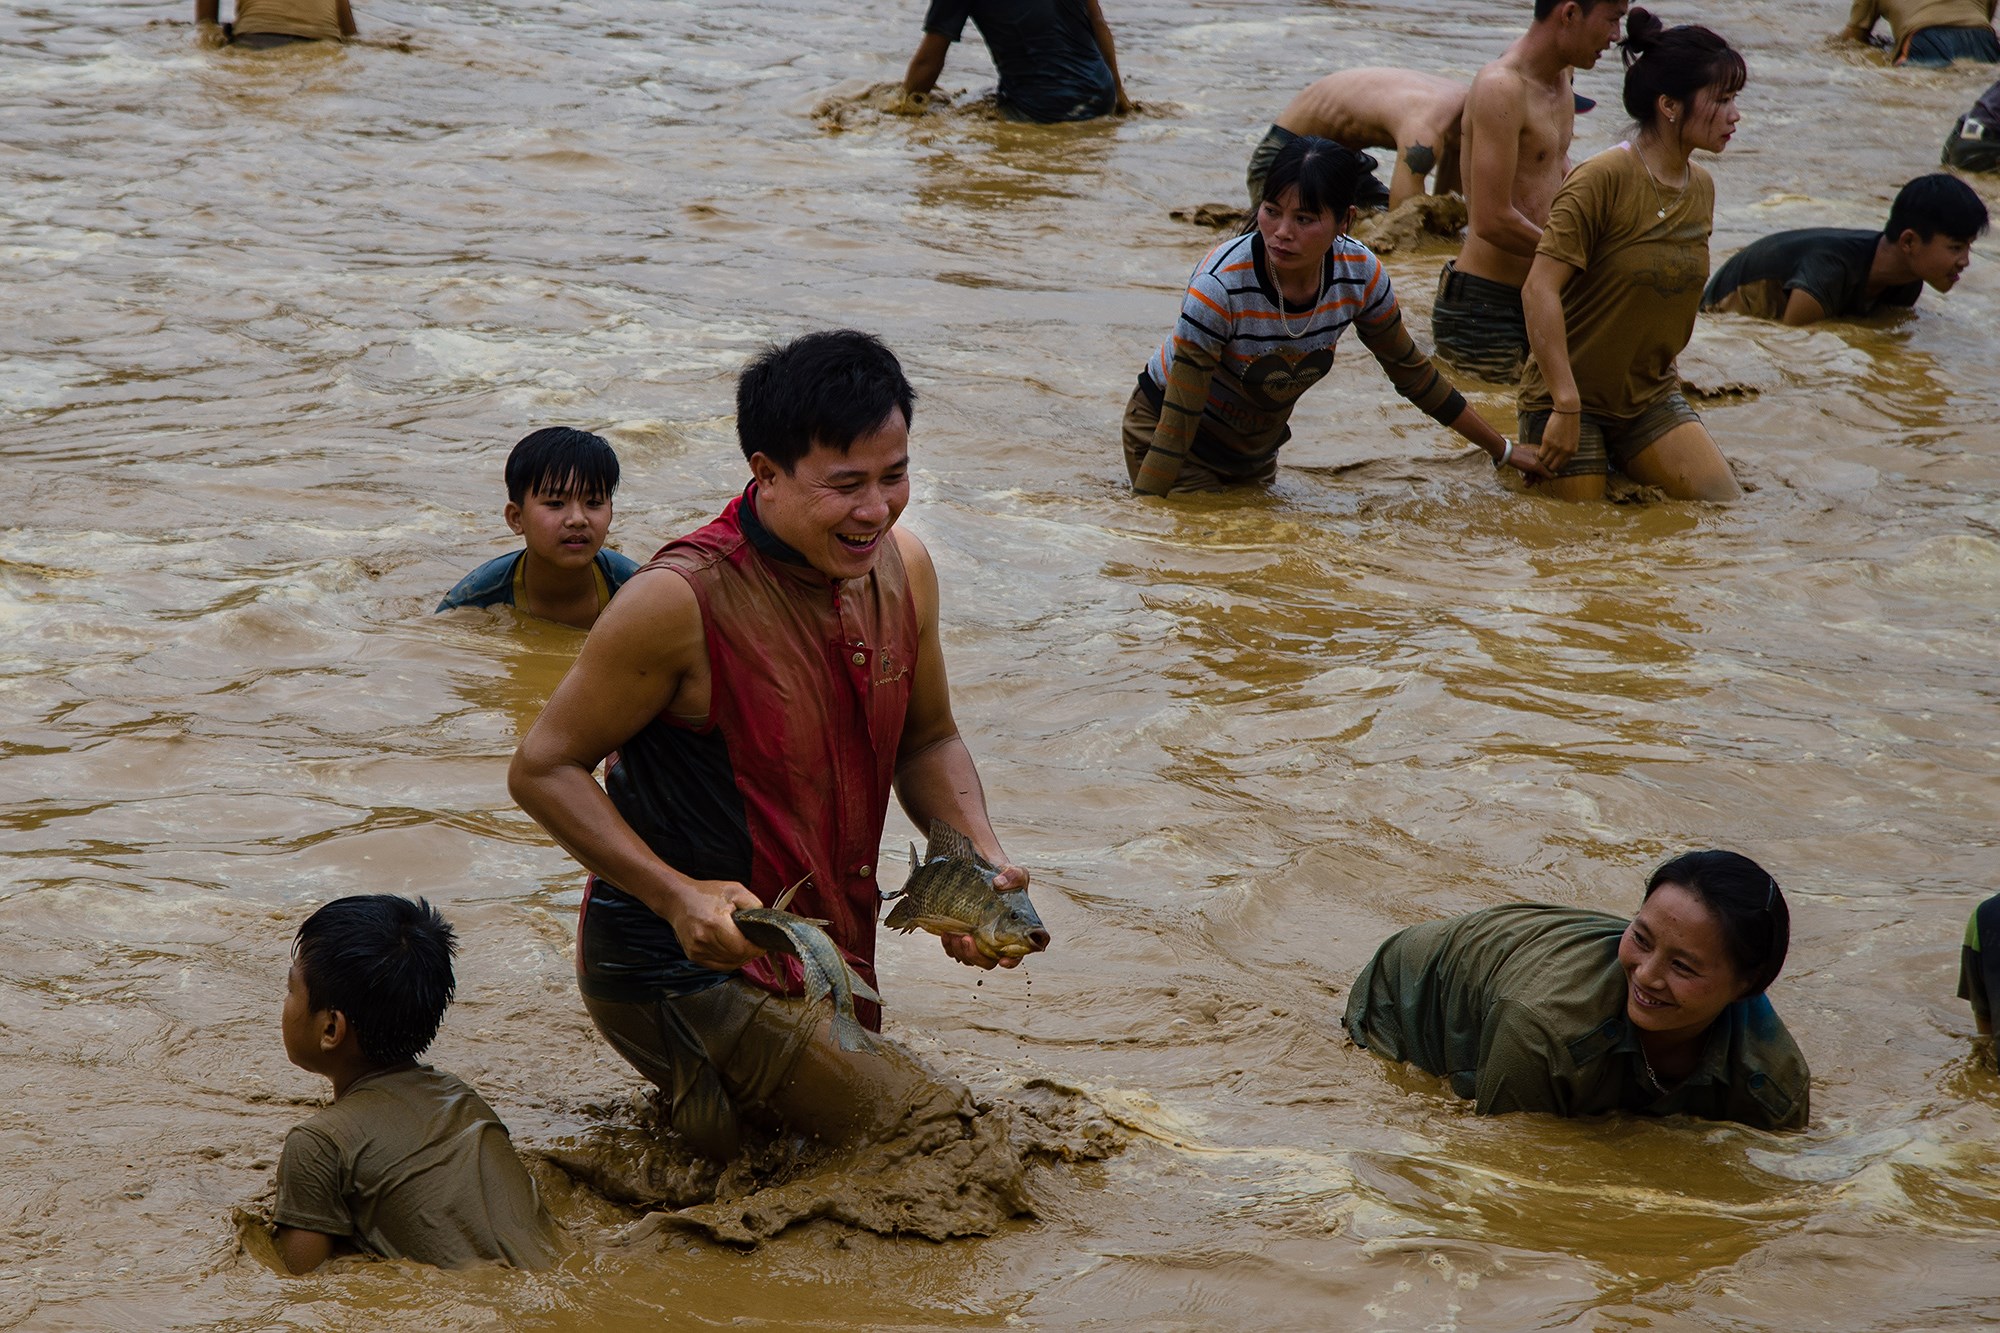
{"points": [[809, 682]]}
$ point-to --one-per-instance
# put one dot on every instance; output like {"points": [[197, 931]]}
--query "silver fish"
{"points": [[826, 972], [950, 892]]}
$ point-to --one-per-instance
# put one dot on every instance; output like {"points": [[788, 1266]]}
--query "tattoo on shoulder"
{"points": [[1420, 158]]}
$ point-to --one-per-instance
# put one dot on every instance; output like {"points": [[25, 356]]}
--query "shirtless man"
{"points": [[1415, 114], [1514, 152]]}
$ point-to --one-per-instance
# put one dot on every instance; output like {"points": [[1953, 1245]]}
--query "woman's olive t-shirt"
{"points": [[1642, 249]]}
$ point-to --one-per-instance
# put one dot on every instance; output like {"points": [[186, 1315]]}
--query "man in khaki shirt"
{"points": [[1929, 32], [266, 23]]}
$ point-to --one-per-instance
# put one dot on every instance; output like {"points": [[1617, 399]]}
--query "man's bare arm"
{"points": [[935, 775], [300, 1250], [346, 16], [637, 658], [1102, 31], [1802, 307], [1497, 108], [207, 11], [926, 64]]}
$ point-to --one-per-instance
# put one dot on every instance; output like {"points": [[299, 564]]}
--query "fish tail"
{"points": [[903, 916], [848, 1033]]}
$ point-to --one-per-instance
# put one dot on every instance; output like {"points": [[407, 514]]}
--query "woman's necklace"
{"points": [[1651, 1077], [1659, 197], [1313, 301]]}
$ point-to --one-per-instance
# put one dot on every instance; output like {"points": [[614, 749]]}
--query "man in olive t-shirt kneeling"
{"points": [[408, 1162]]}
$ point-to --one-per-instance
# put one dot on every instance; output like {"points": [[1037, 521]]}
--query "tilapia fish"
{"points": [[826, 972], [950, 892]]}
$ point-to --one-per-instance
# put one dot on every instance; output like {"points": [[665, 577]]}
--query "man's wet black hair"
{"points": [[1674, 62], [1939, 202], [384, 962], [1544, 8], [831, 388], [561, 460], [1745, 902], [1326, 174]]}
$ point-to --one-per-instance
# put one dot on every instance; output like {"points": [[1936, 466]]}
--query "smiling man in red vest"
{"points": [[765, 683]]}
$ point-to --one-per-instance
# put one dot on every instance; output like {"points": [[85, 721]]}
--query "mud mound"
{"points": [[1222, 217], [845, 111], [955, 1167], [1415, 218]]}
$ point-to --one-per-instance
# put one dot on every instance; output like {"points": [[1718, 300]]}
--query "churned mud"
{"points": [[957, 1166]]}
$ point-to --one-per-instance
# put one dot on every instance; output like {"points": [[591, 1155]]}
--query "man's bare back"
{"points": [[1414, 113]]}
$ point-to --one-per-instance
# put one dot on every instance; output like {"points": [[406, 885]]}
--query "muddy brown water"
{"points": [[272, 321]]}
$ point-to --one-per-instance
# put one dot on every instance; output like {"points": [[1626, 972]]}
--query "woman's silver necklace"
{"points": [[1285, 323], [1660, 198]]}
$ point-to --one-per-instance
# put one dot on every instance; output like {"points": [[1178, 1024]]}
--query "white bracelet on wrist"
{"points": [[1506, 452]]}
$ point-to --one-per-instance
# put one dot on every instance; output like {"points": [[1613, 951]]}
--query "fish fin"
{"points": [[785, 898], [861, 989], [849, 1035], [948, 844]]}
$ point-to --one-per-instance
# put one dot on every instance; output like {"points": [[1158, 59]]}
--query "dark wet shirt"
{"points": [[1050, 67], [1829, 264], [1522, 1008], [498, 581]]}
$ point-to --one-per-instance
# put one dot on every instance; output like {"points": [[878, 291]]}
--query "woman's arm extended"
{"points": [[1418, 379]]}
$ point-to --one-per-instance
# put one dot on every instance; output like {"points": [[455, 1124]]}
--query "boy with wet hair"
{"points": [[559, 487], [1818, 273], [407, 1162]]}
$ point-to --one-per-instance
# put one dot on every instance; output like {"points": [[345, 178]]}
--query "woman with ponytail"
{"points": [[1257, 329], [1617, 279]]}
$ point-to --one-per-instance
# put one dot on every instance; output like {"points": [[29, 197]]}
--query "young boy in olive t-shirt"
{"points": [[408, 1162]]}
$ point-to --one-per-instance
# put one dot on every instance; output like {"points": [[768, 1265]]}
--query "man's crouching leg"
{"points": [[734, 1054]]}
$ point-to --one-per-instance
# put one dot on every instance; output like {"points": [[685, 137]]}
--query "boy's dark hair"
{"points": [[1544, 8], [560, 460], [1674, 62], [1746, 903], [1937, 203], [1326, 175], [831, 387], [384, 962]]}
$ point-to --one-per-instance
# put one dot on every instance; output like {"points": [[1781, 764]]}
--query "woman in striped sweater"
{"points": [[1258, 327]]}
